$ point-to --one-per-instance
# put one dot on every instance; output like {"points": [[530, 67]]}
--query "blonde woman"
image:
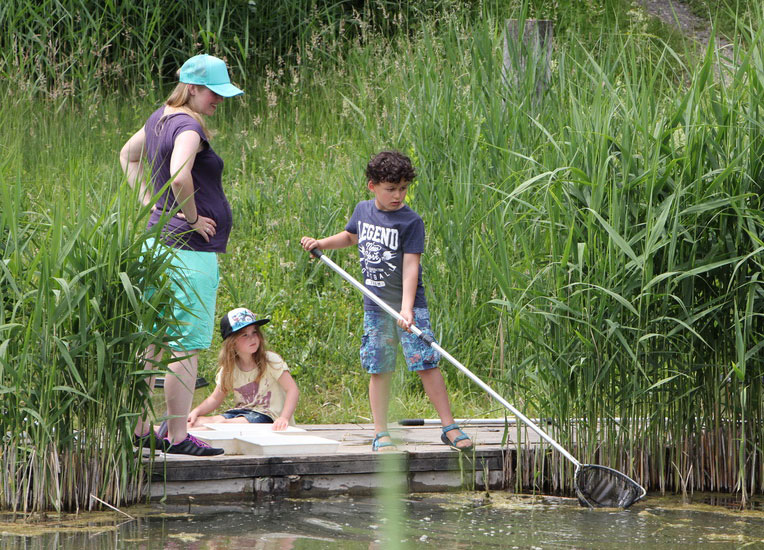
{"points": [[175, 145], [264, 390]]}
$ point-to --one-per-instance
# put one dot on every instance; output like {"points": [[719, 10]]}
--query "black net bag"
{"points": [[603, 487]]}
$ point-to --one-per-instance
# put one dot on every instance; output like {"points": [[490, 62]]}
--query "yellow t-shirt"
{"points": [[266, 396]]}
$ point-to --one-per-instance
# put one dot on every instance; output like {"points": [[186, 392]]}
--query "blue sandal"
{"points": [[378, 445], [461, 437]]}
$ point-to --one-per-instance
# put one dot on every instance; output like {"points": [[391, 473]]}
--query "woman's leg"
{"points": [[179, 393], [143, 426]]}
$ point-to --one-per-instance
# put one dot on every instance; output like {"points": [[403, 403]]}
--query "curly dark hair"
{"points": [[390, 167]]}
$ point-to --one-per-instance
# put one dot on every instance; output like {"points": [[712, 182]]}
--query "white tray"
{"points": [[263, 441], [275, 444]]}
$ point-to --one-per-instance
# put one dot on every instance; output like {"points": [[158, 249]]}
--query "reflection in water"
{"points": [[462, 521]]}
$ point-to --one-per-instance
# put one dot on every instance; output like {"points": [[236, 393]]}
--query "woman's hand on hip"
{"points": [[205, 226]]}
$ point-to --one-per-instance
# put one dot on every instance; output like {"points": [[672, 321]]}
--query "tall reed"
{"points": [[74, 319], [627, 243], [68, 49], [615, 223]]}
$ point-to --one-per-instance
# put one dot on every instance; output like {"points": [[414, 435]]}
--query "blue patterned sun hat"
{"points": [[237, 319]]}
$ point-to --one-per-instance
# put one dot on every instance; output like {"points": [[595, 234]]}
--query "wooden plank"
{"points": [[320, 465], [265, 466], [435, 462], [427, 464]]}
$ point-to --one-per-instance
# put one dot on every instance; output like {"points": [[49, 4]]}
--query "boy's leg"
{"points": [[435, 387], [379, 398], [379, 346], [421, 358]]}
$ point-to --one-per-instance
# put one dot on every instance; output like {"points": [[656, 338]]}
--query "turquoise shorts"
{"points": [[195, 284], [379, 343]]}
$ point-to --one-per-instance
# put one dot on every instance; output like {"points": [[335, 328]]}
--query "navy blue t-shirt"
{"points": [[207, 175], [383, 238]]}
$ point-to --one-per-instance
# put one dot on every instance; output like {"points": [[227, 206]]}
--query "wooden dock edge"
{"points": [[248, 477]]}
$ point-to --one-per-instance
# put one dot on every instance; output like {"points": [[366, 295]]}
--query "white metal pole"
{"points": [[366, 292]]}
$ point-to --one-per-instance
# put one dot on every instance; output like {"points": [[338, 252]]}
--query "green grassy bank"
{"points": [[594, 251]]}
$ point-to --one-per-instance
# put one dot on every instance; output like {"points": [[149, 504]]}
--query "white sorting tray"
{"points": [[275, 444], [263, 441]]}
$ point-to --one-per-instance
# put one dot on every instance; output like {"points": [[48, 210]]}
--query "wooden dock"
{"points": [[422, 462]]}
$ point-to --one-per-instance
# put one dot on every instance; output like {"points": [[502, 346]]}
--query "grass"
{"points": [[593, 254]]}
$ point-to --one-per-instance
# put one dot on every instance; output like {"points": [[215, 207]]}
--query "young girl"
{"points": [[264, 390]]}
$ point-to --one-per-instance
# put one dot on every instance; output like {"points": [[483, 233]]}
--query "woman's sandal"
{"points": [[383, 446], [461, 437]]}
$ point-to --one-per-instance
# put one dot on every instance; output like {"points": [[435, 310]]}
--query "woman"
{"points": [[174, 142]]}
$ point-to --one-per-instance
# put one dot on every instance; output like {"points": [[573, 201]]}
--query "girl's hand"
{"points": [[280, 424], [192, 418]]}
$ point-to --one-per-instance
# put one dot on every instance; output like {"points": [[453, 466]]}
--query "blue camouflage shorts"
{"points": [[379, 344]]}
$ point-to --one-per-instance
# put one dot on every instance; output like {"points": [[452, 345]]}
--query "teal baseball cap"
{"points": [[208, 70]]}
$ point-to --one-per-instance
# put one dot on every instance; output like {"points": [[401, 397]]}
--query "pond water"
{"points": [[421, 521]]}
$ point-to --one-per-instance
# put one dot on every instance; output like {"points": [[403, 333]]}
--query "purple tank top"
{"points": [[206, 173]]}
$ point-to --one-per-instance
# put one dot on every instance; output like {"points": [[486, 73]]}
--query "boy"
{"points": [[390, 239]]}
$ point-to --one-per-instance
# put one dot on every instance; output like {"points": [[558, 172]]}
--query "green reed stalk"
{"points": [[590, 211], [67, 49], [74, 318], [637, 229]]}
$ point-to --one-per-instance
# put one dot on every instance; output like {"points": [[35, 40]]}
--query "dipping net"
{"points": [[603, 487]]}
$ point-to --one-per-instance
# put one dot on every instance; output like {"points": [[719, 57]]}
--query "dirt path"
{"points": [[678, 14]]}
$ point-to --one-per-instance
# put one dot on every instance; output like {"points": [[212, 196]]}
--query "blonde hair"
{"points": [[227, 359], [179, 99]]}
